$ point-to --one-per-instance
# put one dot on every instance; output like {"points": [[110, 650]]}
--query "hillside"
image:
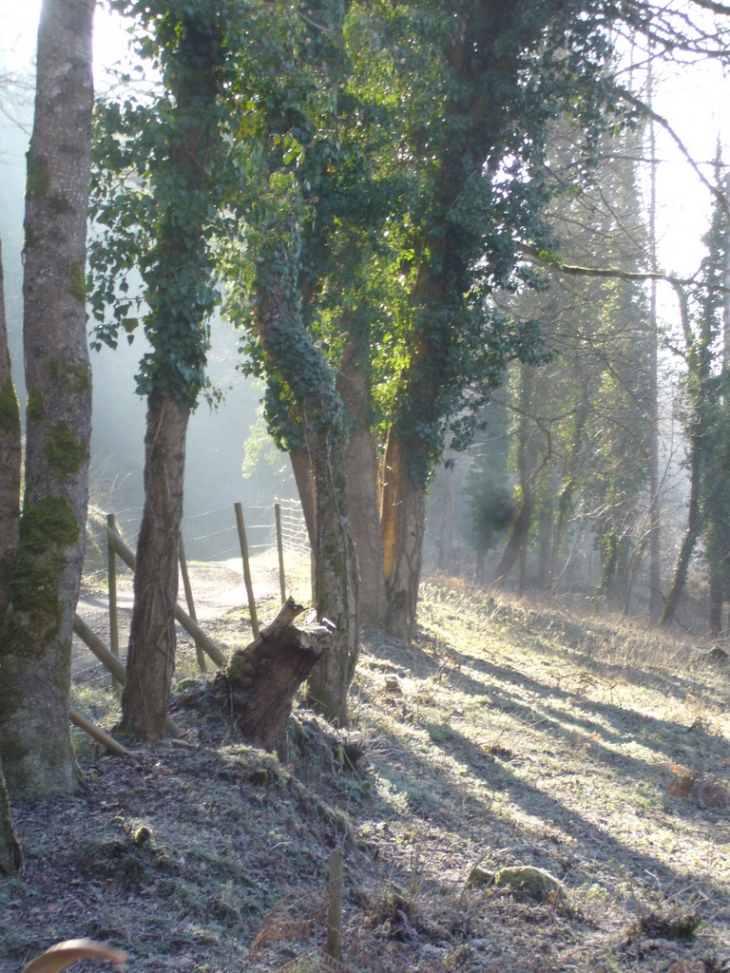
{"points": [[505, 735]]}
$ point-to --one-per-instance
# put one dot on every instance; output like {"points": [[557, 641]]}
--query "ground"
{"points": [[507, 734]]}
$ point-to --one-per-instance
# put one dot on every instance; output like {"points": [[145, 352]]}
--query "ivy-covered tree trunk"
{"points": [[191, 45], [151, 655], [9, 459], [35, 642], [335, 574], [287, 349], [361, 461]]}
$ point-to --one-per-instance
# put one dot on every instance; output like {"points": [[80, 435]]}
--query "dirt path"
{"points": [[217, 586]]}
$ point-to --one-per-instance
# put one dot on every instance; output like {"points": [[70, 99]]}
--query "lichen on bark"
{"points": [[33, 622]]}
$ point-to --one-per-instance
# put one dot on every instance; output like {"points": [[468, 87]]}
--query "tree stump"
{"points": [[261, 680]]}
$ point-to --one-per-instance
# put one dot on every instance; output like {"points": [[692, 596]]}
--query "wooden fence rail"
{"points": [[204, 644]]}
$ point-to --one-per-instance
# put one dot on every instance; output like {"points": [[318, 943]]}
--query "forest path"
{"points": [[218, 590]]}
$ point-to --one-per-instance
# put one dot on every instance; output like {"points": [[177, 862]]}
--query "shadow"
{"points": [[452, 804], [604, 723], [625, 725]]}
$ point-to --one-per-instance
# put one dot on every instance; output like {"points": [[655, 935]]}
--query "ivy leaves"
{"points": [[162, 175]]}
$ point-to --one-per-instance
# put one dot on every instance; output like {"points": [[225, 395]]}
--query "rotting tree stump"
{"points": [[260, 681]]}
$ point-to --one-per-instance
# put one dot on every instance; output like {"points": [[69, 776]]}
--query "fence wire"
{"points": [[213, 536]]}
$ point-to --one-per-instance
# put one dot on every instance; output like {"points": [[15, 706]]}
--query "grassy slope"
{"points": [[506, 734]]}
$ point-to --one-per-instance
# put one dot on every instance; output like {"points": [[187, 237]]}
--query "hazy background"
{"points": [[695, 100], [216, 437]]}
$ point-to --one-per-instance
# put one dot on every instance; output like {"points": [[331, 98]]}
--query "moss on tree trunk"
{"points": [[35, 641]]}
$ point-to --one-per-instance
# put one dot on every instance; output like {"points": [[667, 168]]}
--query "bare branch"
{"points": [[660, 120]]}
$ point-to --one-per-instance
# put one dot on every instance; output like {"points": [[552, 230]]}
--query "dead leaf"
{"points": [[63, 954]]}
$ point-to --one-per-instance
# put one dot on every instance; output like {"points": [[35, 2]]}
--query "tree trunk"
{"points": [[289, 351], [260, 681], [11, 854], [516, 542], [35, 643], [402, 519], [546, 532], [716, 599], [151, 655], [302, 470], [361, 462], [520, 533], [446, 527], [655, 525], [696, 521], [10, 452], [335, 575]]}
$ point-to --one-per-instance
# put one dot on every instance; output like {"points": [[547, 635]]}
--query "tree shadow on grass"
{"points": [[595, 841], [438, 793], [663, 737], [625, 726]]}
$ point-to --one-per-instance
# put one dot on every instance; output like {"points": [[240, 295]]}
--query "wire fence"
{"points": [[213, 535]]}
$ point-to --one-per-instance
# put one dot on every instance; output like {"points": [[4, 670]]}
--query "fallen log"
{"points": [[260, 682]]}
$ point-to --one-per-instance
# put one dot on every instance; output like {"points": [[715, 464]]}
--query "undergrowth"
{"points": [[508, 737]]}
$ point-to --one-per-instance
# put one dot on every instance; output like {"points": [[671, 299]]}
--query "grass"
{"points": [[507, 734]]}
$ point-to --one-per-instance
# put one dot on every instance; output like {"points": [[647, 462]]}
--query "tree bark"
{"points": [[10, 453], [402, 519], [361, 462], [11, 854], [260, 681], [35, 643], [302, 470], [151, 655], [335, 575]]}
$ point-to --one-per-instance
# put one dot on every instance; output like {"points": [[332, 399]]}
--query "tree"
{"points": [[35, 641], [163, 222], [708, 447], [491, 504], [479, 190], [10, 851], [286, 202], [581, 423], [10, 450]]}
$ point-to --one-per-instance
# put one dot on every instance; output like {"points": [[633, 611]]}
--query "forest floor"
{"points": [[508, 734]]}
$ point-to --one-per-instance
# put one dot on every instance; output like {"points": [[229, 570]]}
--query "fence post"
{"points": [[280, 549], [246, 569], [189, 599], [334, 920], [113, 617]]}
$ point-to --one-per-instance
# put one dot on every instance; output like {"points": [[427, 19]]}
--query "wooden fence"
{"points": [[205, 646]]}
